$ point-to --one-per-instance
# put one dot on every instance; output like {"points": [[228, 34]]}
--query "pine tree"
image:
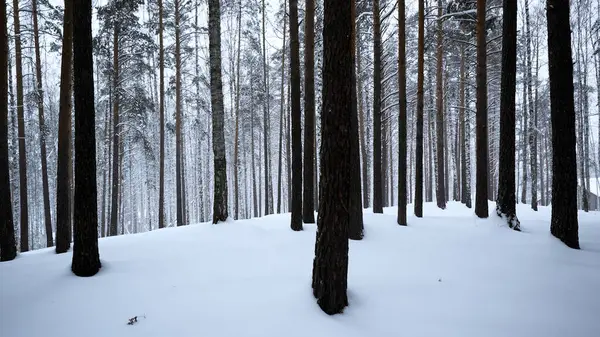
{"points": [[440, 181], [563, 223], [161, 109], [377, 169], [402, 141], [86, 259], [296, 207], [481, 120], [330, 268], [419, 142], [308, 214]]}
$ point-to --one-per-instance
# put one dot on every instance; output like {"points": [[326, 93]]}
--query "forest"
{"points": [[121, 117]]}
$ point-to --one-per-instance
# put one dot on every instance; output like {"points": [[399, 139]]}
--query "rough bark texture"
{"points": [[161, 112], [63, 176], [402, 141], [218, 114], [308, 214], [8, 246], [506, 203], [296, 208], [21, 131], [419, 142], [481, 120], [178, 121], [440, 181], [86, 259], [563, 223], [377, 173], [236, 168], [330, 268], [355, 225]]}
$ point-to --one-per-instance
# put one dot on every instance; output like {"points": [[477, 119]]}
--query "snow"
{"points": [[448, 274]]}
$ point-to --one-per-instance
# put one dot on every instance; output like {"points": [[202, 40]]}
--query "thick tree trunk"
{"points": [[377, 179], [506, 203], [481, 204], [116, 176], [440, 182], [63, 175], [8, 246], [308, 214], [330, 268], [220, 209], [24, 209], [86, 260], [402, 141], [419, 142], [563, 223], [296, 207], [161, 109], [40, 102]]}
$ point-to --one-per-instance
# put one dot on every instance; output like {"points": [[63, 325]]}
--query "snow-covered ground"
{"points": [[448, 274]]}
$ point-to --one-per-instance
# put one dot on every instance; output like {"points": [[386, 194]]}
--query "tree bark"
{"points": [[563, 223], [63, 176], [161, 112], [402, 141], [282, 112], [419, 142], [533, 119], [506, 203], [308, 214], [86, 259], [237, 117], [481, 204], [178, 137], [330, 267], [220, 209], [377, 179], [296, 207], [8, 246], [441, 182]]}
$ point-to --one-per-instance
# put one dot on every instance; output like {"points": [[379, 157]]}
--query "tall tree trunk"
{"points": [[377, 179], [86, 259], [402, 141], [24, 209], [362, 121], [252, 118], [563, 224], [63, 170], [8, 246], [198, 109], [237, 117], [330, 268], [161, 109], [524, 133], [355, 222], [220, 209], [40, 102], [296, 207], [116, 176], [481, 205], [418, 204], [463, 124], [533, 118], [506, 204], [282, 111], [440, 183], [288, 132], [308, 214], [266, 115], [178, 101]]}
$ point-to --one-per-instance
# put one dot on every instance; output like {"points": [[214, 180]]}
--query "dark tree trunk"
{"points": [[161, 109], [481, 195], [355, 225], [308, 214], [40, 102], [330, 268], [86, 260], [377, 179], [236, 164], [402, 141], [419, 143], [63, 175], [296, 207], [116, 175], [220, 210], [21, 130], [8, 246], [506, 204], [178, 137], [440, 192], [564, 179]]}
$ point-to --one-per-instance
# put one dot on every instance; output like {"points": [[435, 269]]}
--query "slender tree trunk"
{"points": [[63, 176], [237, 117], [524, 134], [563, 223], [24, 209], [86, 259], [161, 109], [8, 246], [418, 205], [266, 112], [308, 214], [440, 183], [252, 118], [481, 205], [533, 118], [506, 204], [463, 128], [296, 207], [402, 141], [362, 121], [178, 101], [198, 109], [282, 111], [330, 268], [116, 177], [377, 179], [288, 132], [220, 209]]}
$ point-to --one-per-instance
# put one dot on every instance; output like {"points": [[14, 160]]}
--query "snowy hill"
{"points": [[448, 274]]}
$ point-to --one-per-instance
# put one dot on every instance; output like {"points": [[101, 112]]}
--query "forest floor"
{"points": [[448, 274]]}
